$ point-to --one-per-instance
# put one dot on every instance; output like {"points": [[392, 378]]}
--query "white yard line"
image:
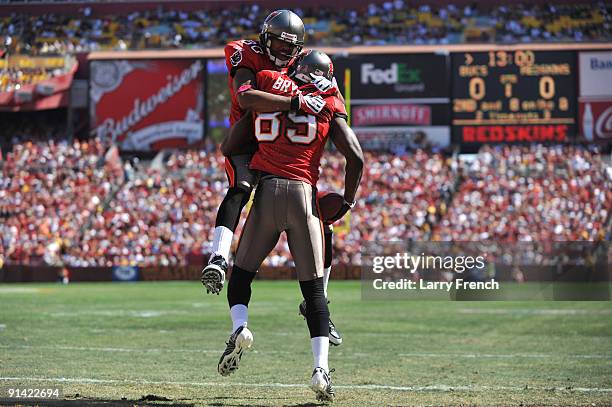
{"points": [[110, 349], [339, 352], [121, 313], [440, 388], [19, 290], [135, 350]]}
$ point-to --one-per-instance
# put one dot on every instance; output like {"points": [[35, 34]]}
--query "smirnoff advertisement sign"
{"points": [[147, 105]]}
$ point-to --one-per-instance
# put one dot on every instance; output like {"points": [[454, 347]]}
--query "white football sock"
{"points": [[240, 315], [222, 242], [320, 351], [326, 272]]}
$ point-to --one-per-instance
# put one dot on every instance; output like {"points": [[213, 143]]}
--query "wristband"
{"points": [[295, 103], [244, 88], [350, 204]]}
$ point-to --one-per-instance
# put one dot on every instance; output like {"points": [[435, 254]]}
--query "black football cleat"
{"points": [[213, 275], [239, 341], [335, 338]]}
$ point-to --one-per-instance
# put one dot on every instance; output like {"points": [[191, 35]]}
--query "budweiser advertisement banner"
{"points": [[595, 101], [147, 104]]}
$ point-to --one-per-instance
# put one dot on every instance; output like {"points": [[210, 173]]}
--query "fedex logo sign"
{"points": [[395, 74]]}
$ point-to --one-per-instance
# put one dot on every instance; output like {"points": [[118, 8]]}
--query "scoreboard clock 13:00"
{"points": [[513, 96]]}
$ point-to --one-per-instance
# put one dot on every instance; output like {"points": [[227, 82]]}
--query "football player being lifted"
{"points": [[291, 141], [281, 40]]}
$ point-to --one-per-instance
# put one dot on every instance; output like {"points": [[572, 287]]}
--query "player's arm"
{"points": [[347, 143], [263, 102], [240, 138], [340, 96], [241, 76], [251, 98], [259, 101]]}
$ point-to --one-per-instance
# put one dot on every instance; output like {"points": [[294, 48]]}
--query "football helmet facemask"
{"points": [[282, 37], [310, 63]]}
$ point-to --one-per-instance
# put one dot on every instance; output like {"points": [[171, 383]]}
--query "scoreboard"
{"points": [[513, 96]]}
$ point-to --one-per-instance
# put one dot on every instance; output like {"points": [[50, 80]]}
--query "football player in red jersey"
{"points": [[290, 147], [281, 40]]}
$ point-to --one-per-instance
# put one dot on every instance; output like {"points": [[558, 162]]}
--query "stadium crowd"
{"points": [[48, 191], [62, 202], [389, 22], [158, 217], [14, 78], [400, 198], [530, 193]]}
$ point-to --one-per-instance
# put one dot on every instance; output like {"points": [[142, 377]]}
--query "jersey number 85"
{"points": [[298, 129]]}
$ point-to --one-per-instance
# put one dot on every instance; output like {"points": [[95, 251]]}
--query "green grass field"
{"points": [[161, 341]]}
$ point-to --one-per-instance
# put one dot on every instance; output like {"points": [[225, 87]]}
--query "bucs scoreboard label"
{"points": [[513, 97]]}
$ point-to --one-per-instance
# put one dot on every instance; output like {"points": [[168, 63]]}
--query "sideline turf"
{"points": [[113, 341]]}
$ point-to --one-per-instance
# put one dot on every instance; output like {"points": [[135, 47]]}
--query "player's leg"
{"points": [[334, 335], [305, 238], [328, 231], [258, 238], [317, 318], [335, 338], [241, 339], [241, 180]]}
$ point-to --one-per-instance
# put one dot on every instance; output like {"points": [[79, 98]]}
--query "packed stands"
{"points": [[530, 193], [48, 191], [61, 202], [379, 23], [159, 217], [13, 78], [400, 198]]}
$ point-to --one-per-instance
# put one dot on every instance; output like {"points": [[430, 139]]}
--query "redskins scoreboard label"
{"points": [[513, 97], [147, 105]]}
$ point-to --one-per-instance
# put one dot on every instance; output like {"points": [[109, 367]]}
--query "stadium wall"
{"points": [[503, 272], [30, 274]]}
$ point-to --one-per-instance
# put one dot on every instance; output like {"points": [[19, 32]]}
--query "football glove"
{"points": [[324, 85], [309, 104]]}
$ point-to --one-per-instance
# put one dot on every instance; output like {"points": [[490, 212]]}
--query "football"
{"points": [[329, 204]]}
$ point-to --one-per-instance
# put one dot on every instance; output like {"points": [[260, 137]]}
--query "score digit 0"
{"points": [[477, 88], [547, 87]]}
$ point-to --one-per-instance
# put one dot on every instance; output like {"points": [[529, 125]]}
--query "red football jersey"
{"points": [[243, 54], [290, 144]]}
